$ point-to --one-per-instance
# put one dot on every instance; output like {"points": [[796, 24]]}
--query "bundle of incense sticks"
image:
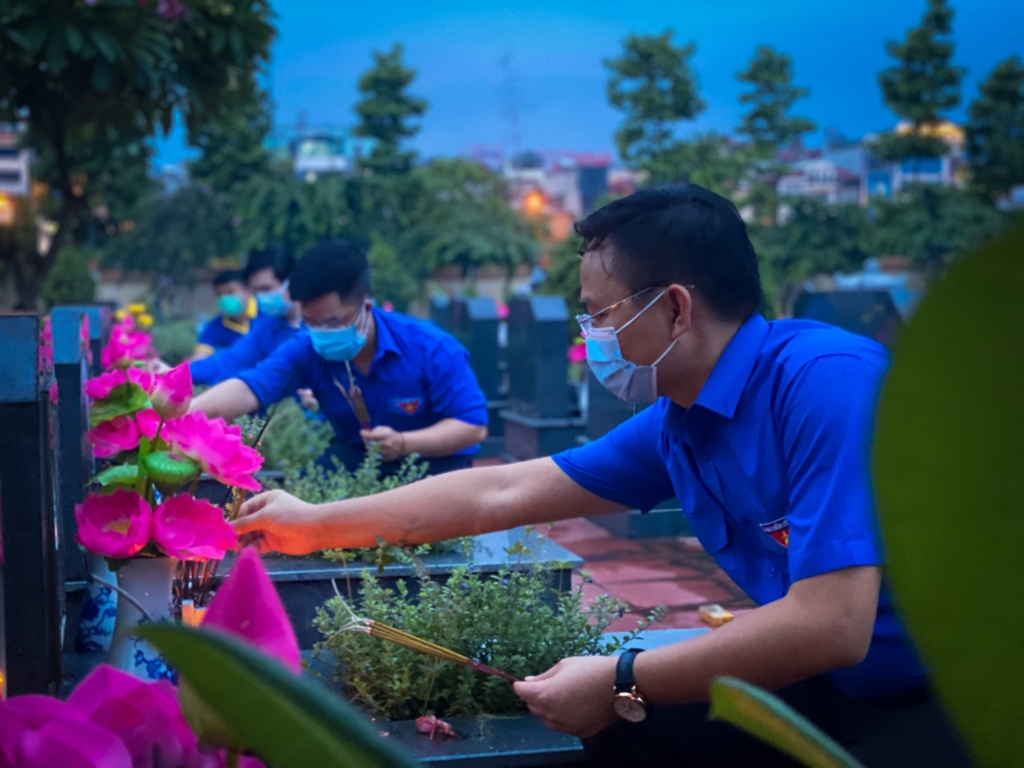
{"points": [[354, 397], [391, 634]]}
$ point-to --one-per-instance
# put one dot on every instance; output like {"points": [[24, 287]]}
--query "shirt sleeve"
{"points": [[452, 386], [626, 465], [283, 372], [826, 428], [229, 362]]}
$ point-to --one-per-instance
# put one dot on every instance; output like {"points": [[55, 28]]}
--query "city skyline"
{"points": [[556, 52]]}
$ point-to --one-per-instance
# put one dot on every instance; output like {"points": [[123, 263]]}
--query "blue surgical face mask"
{"points": [[340, 344], [273, 303], [627, 381], [230, 305]]}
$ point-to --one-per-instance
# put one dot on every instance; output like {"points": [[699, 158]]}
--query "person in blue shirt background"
{"points": [[266, 277], [420, 393], [762, 431], [236, 309]]}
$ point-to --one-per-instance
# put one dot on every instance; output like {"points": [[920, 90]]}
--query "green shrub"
{"points": [[174, 340], [70, 281], [505, 620], [291, 441]]}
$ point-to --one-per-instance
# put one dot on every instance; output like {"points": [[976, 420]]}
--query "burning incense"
{"points": [[354, 397], [391, 634]]}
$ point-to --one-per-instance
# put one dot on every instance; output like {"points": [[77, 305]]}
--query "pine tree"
{"points": [[768, 124], [385, 112], [922, 85], [995, 132], [653, 84]]}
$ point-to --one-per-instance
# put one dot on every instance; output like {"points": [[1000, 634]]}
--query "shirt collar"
{"points": [[721, 392], [385, 338], [231, 325]]}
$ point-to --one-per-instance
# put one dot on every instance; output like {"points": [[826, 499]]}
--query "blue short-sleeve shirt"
{"points": [[221, 333], [265, 335], [771, 468], [419, 375]]}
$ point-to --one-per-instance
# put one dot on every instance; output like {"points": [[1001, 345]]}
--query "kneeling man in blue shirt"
{"points": [[762, 431], [419, 392]]}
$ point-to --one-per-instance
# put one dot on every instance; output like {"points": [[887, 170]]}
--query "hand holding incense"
{"points": [[354, 397]]}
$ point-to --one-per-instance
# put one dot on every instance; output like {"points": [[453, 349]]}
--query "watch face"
{"points": [[629, 708]]}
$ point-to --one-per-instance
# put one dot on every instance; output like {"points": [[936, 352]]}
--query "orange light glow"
{"points": [[533, 203]]}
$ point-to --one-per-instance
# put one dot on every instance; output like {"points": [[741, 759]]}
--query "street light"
{"points": [[6, 211]]}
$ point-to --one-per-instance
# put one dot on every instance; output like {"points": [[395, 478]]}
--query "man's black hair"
{"points": [[335, 266], [682, 234], [273, 257], [228, 276]]}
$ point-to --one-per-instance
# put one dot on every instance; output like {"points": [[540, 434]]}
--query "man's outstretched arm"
{"points": [[463, 503]]}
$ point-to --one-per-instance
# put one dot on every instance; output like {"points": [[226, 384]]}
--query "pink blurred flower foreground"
{"points": [[122, 433], [126, 346], [172, 394], [248, 606], [117, 525], [217, 447], [111, 720], [192, 529]]}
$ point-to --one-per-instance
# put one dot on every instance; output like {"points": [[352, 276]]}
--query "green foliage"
{"points": [[505, 620], [772, 720], [768, 124], [933, 225], [922, 85], [70, 281], [391, 279], [174, 340], [995, 131], [946, 464], [710, 159], [291, 440], [385, 112], [290, 721], [653, 84], [89, 78], [563, 275]]}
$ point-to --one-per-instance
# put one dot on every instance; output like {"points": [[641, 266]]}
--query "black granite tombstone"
{"points": [[101, 317], [867, 313], [474, 322], [33, 588]]}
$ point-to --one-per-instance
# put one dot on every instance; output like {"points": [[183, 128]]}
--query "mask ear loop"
{"points": [[649, 305]]}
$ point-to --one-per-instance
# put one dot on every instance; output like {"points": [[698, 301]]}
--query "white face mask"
{"points": [[627, 381]]}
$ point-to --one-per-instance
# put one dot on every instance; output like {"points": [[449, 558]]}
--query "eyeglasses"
{"points": [[586, 321]]}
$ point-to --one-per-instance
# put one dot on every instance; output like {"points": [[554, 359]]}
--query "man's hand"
{"points": [[307, 399], [390, 442], [278, 522], [574, 696]]}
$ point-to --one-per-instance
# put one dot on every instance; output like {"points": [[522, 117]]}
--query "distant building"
{"points": [[318, 150], [823, 180], [15, 164]]}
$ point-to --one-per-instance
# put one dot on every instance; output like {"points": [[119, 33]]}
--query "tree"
{"points": [[768, 124], [933, 225], [390, 280], [711, 160], [385, 112], [922, 85], [232, 140], [653, 84], [995, 132], [70, 281], [84, 76], [563, 274]]}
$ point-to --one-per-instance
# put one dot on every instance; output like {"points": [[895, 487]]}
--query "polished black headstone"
{"points": [[101, 316], [538, 342], [474, 322], [867, 313]]}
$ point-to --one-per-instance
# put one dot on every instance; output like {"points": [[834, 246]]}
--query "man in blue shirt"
{"points": [[266, 277], [235, 308], [762, 431], [414, 381]]}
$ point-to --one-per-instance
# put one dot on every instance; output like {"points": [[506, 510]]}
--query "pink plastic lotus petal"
{"points": [[144, 715], [247, 605], [117, 525], [101, 386], [71, 744], [192, 529], [172, 394], [217, 447]]}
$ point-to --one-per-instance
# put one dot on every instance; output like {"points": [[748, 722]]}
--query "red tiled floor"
{"points": [[578, 529], [617, 572], [650, 594]]}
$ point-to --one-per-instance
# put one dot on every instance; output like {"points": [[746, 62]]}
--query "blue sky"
{"points": [[557, 47]]}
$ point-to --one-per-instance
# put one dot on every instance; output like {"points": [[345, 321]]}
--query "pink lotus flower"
{"points": [[144, 715], [248, 606], [122, 433], [172, 394], [117, 525], [100, 387], [126, 345], [217, 447], [40, 732], [192, 529]]}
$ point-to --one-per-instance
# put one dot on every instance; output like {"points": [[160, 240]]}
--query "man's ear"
{"points": [[680, 306]]}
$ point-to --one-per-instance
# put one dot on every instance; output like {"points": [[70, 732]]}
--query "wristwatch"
{"points": [[628, 703]]}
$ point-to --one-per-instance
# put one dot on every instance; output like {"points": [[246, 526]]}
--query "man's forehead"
{"points": [[597, 284]]}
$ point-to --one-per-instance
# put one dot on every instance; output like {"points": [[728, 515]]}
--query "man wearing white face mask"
{"points": [[378, 376], [762, 431]]}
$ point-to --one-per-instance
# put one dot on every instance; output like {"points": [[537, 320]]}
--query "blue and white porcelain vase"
{"points": [[149, 580], [99, 608]]}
